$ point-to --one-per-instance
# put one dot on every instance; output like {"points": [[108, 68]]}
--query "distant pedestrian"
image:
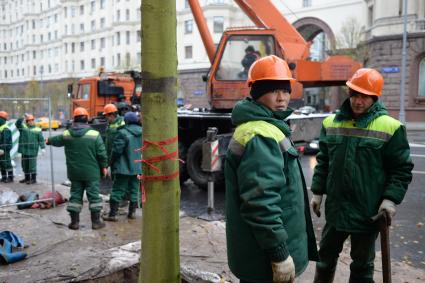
{"points": [[5, 148], [123, 156], [363, 167], [85, 160], [30, 140], [269, 232]]}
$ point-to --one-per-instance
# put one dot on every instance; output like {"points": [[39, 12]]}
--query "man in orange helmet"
{"points": [[270, 236], [363, 167], [5, 148], [30, 140], [85, 161]]}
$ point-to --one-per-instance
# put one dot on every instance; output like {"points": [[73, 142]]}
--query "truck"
{"points": [[226, 82]]}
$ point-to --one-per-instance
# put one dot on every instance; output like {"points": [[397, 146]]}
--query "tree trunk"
{"points": [[160, 259]]}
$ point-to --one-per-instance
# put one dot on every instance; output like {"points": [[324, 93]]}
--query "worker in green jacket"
{"points": [[85, 161], [269, 232], [30, 140], [123, 156], [115, 121], [363, 167], [5, 148]]}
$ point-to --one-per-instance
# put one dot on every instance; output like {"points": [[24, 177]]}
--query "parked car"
{"points": [[43, 123], [305, 110]]}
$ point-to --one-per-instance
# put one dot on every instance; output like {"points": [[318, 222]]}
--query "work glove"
{"points": [[105, 172], [1, 152], [43, 152], [389, 208], [315, 204], [284, 271]]}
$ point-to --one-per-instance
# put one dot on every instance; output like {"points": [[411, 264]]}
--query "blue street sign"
{"points": [[390, 70]]}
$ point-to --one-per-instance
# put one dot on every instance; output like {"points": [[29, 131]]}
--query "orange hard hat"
{"points": [[29, 117], [109, 108], [269, 68], [367, 81], [80, 111], [4, 115]]}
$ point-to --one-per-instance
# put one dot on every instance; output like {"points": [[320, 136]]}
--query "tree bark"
{"points": [[160, 258]]}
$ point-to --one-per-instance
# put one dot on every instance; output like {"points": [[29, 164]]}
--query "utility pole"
{"points": [[160, 258], [402, 114]]}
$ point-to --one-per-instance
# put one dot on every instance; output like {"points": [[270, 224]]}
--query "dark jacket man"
{"points": [[5, 148]]}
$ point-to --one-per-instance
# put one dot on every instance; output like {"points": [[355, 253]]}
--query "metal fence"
{"points": [[17, 107]]}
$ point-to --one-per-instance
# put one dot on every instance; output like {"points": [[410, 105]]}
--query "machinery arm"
{"points": [[265, 15]]}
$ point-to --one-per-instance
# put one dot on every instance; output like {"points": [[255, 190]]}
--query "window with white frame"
{"points": [[421, 82], [218, 24], [188, 52]]}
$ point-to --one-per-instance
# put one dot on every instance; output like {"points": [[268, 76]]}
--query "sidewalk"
{"points": [[57, 254]]}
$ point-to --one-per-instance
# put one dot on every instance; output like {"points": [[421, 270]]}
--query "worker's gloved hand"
{"points": [[315, 204], [389, 208], [1, 152], [105, 172], [284, 271]]}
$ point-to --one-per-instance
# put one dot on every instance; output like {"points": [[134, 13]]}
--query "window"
{"points": [[93, 63], [93, 25], [118, 15], [83, 91], [186, 4], [139, 58], [81, 27], [102, 42], [421, 83], [81, 10], [188, 52], [218, 24], [82, 65], [127, 37], [118, 59], [102, 61], [102, 23], [72, 12], [92, 6], [34, 56], [73, 47], [127, 15], [82, 46], [138, 36], [93, 44], [65, 11], [118, 38], [306, 3], [188, 26], [102, 4]]}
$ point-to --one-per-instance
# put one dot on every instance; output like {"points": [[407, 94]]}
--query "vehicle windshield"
{"points": [[239, 54], [83, 91]]}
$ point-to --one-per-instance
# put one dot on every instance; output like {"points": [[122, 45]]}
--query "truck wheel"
{"points": [[193, 164], [182, 166]]}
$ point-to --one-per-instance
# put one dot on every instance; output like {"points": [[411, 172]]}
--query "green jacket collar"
{"points": [[249, 110], [345, 113]]}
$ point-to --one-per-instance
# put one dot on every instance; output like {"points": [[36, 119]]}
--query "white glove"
{"points": [[389, 208], [284, 271], [315, 204], [1, 152], [43, 152]]}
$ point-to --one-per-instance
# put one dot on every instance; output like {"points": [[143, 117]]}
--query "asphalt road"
{"points": [[407, 233]]}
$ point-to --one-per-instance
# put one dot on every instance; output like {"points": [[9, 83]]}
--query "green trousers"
{"points": [[29, 164], [125, 184], [92, 191], [362, 252]]}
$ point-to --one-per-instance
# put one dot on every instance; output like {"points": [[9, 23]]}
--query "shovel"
{"points": [[383, 222]]}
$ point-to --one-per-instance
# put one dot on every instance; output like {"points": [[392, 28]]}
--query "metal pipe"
{"points": [[28, 202], [402, 114], [210, 196], [52, 176]]}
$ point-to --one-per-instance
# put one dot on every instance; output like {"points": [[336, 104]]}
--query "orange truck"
{"points": [[226, 82]]}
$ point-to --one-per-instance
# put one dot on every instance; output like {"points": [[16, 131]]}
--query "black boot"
{"points": [[112, 215], [33, 178], [3, 176], [353, 279], [132, 210], [26, 179], [96, 223], [324, 276], [10, 176], [75, 220]]}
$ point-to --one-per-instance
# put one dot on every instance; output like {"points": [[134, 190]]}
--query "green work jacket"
{"points": [[127, 140], [30, 138], [5, 142], [361, 162], [110, 134], [84, 151], [267, 211]]}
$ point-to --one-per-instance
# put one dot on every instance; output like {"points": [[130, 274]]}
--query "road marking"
{"points": [[416, 145], [418, 172], [417, 155]]}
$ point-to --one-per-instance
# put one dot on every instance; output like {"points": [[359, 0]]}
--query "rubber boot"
{"points": [[112, 215], [132, 210], [75, 220], [96, 223], [26, 179], [359, 280], [3, 176], [324, 276], [33, 178], [10, 176]]}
